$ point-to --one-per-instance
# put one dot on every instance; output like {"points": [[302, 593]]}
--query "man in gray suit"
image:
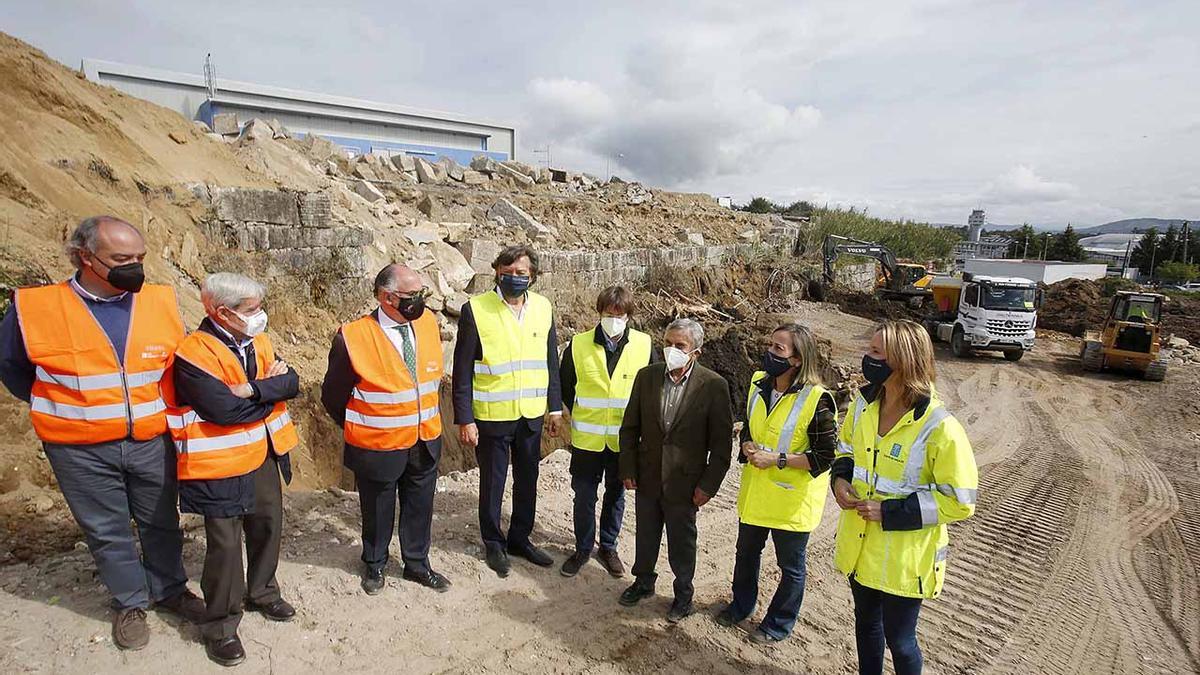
{"points": [[676, 444]]}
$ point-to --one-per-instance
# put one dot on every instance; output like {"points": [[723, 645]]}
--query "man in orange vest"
{"points": [[382, 387], [232, 434], [88, 356]]}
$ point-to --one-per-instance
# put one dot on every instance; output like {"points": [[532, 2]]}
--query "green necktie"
{"points": [[410, 354]]}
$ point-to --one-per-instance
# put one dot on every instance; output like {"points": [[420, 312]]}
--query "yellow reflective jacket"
{"points": [[782, 499], [512, 378], [600, 398], [923, 470]]}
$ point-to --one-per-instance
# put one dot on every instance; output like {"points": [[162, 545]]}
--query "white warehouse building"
{"points": [[1044, 271], [358, 126]]}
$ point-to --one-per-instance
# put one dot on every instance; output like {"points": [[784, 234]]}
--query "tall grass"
{"points": [[907, 239]]}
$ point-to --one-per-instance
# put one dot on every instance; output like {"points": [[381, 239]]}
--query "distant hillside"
{"points": [[1132, 225]]}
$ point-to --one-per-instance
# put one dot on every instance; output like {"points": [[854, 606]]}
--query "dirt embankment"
{"points": [[1076, 305]]}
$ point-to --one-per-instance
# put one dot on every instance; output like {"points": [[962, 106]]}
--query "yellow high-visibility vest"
{"points": [[782, 499], [929, 456], [600, 399], [512, 378]]}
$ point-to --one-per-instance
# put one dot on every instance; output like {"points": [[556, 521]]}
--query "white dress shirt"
{"points": [[392, 329]]}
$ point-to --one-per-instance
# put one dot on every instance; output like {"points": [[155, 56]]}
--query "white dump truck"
{"points": [[985, 313]]}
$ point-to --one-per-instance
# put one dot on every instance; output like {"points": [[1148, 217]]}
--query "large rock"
{"points": [[423, 234], [256, 130], [484, 164], [453, 170], [505, 169], [473, 177], [690, 238], [454, 267], [454, 232], [426, 205], [256, 206], [480, 253], [364, 170], [367, 191], [427, 173], [512, 214], [225, 124], [404, 163]]}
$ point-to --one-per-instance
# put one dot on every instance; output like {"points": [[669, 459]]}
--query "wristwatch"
{"points": [[782, 460]]}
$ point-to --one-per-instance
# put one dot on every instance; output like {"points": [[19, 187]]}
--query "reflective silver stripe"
{"points": [[598, 429], [95, 413], [916, 452], [179, 422], [860, 474], [964, 496], [752, 404], [602, 403], [226, 442], [147, 409], [428, 387], [144, 377], [80, 383], [929, 509], [860, 404], [501, 396], [844, 449], [384, 397], [429, 413], [941, 554], [279, 422], [892, 487], [381, 422], [789, 425], [508, 367]]}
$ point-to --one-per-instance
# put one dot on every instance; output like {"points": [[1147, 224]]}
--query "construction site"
{"points": [[1083, 555]]}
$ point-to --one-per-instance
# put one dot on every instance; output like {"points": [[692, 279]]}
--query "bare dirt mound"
{"points": [[1075, 305]]}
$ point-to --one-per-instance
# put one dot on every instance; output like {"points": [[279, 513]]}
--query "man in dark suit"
{"points": [[676, 444], [382, 388]]}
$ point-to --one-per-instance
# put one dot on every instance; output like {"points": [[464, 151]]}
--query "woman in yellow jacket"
{"points": [[904, 469], [788, 442]]}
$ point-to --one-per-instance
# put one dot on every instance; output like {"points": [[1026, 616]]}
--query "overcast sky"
{"points": [[1046, 111]]}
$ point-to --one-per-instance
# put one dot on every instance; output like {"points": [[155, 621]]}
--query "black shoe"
{"points": [[373, 581], [184, 604], [429, 579], [571, 566], [497, 559], [680, 611], [278, 610], [227, 652], [725, 618], [533, 554], [635, 594], [611, 562], [758, 637]]}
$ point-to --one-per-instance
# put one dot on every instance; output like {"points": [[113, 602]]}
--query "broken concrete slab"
{"points": [[256, 129], [275, 207], [404, 163], [513, 215], [364, 171], [422, 235], [453, 170], [454, 267], [689, 237], [484, 164], [480, 253], [226, 124], [521, 179], [427, 173], [472, 177], [367, 191]]}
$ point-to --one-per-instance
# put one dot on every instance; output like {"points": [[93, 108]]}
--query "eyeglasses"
{"points": [[422, 294]]}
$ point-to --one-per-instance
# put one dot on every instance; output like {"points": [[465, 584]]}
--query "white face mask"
{"points": [[676, 358], [614, 326], [256, 323]]}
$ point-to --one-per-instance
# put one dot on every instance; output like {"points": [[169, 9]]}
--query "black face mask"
{"points": [[127, 277], [877, 371], [775, 365], [411, 308], [513, 286]]}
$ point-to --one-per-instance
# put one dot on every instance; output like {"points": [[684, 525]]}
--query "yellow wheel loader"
{"points": [[1131, 339]]}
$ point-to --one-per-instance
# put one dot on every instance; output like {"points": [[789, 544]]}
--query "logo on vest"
{"points": [[894, 453], [154, 351]]}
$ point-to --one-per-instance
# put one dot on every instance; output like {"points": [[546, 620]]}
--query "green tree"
{"points": [[1145, 253], [1170, 247], [761, 205], [799, 208], [1065, 246], [1023, 242], [1177, 272]]}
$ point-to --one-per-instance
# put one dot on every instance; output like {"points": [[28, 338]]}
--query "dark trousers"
{"points": [[653, 513], [108, 484], [413, 490], [223, 581], [500, 442], [588, 468], [790, 549], [881, 618]]}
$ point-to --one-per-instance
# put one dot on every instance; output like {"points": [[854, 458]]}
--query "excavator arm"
{"points": [[836, 245]]}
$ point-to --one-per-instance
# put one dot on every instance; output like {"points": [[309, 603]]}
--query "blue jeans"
{"points": [[587, 470], [881, 618], [108, 484], [790, 549]]}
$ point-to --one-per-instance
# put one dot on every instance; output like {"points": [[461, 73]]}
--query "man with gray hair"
{"points": [[88, 355], [232, 432], [676, 442]]}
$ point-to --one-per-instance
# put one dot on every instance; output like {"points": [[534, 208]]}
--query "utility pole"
{"points": [[1125, 262], [1187, 234], [210, 76], [1153, 251]]}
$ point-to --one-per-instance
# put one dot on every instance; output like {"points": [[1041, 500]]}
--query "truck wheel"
{"points": [[1014, 354], [1092, 357], [958, 344], [1156, 371]]}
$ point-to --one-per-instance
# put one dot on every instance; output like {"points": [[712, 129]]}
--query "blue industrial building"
{"points": [[358, 126]]}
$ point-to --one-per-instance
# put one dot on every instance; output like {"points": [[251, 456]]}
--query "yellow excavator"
{"points": [[909, 282], [1131, 338]]}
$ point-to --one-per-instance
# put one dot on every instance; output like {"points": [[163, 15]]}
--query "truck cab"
{"points": [[985, 313]]}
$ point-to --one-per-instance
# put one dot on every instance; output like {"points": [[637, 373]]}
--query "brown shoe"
{"points": [[130, 630], [186, 605], [611, 562]]}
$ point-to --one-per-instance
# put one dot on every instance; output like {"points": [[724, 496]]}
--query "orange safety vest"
{"points": [[207, 451], [389, 408], [81, 393]]}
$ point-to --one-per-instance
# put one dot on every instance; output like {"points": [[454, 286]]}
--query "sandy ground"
{"points": [[1083, 558]]}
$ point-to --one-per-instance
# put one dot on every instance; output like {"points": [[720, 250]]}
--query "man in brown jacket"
{"points": [[676, 444]]}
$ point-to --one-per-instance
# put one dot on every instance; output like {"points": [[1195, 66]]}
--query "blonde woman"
{"points": [[788, 442], [904, 469]]}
